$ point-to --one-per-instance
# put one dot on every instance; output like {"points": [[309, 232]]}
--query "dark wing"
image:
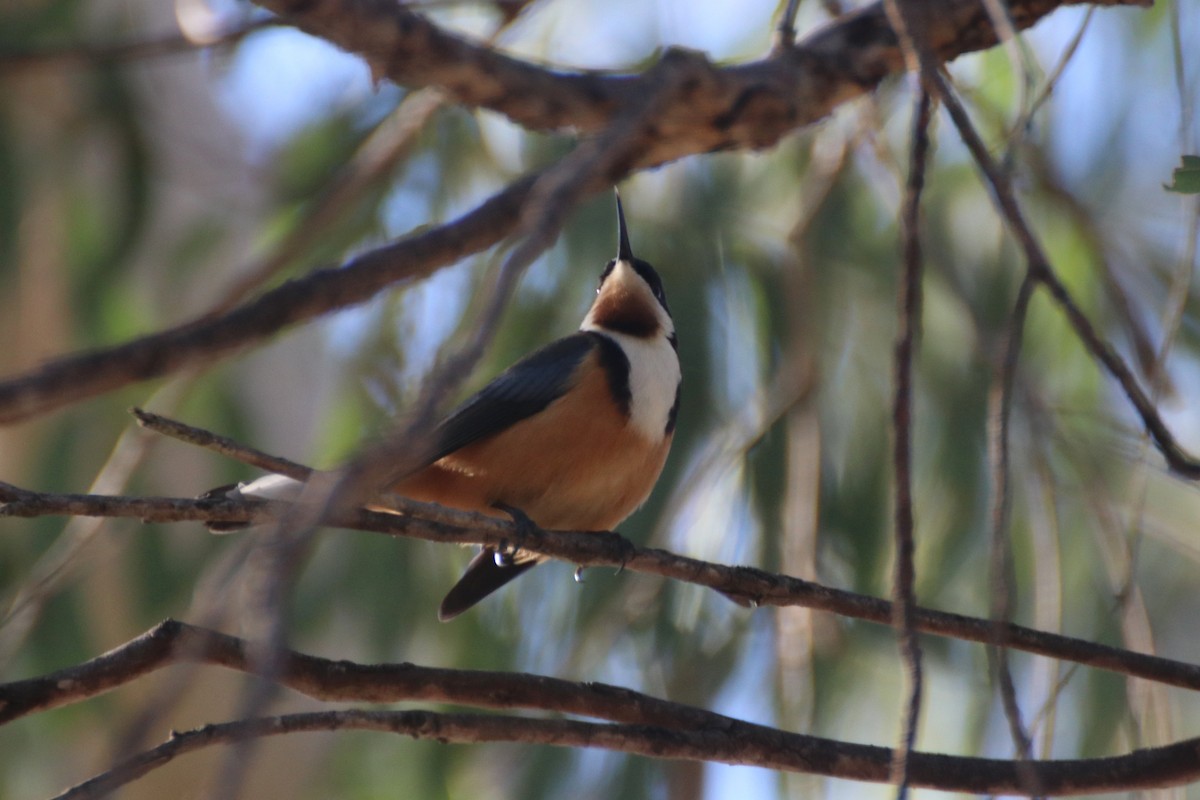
{"points": [[520, 391]]}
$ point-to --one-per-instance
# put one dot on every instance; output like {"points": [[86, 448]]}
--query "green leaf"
{"points": [[1187, 177]]}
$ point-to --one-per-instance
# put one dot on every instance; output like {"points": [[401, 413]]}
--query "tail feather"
{"points": [[483, 576]]}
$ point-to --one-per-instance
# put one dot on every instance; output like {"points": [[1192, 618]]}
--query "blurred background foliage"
{"points": [[139, 189]]}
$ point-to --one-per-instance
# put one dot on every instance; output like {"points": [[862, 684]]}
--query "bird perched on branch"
{"points": [[573, 436]]}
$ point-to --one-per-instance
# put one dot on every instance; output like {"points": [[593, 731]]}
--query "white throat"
{"points": [[653, 379]]}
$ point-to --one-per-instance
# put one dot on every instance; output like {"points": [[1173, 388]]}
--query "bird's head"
{"points": [[630, 297]]}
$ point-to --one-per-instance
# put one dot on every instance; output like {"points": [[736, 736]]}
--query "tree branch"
{"points": [[749, 106], [87, 374], [646, 725], [908, 301], [220, 444], [173, 642], [1041, 271], [1172, 765], [437, 524]]}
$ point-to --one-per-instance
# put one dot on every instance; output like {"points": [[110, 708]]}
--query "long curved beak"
{"points": [[624, 251]]}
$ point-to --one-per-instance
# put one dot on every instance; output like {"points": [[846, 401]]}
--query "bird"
{"points": [[573, 436]]}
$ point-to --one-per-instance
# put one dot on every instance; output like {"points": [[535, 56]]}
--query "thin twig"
{"points": [[785, 31], [998, 13], [1018, 128], [904, 598], [220, 444], [1000, 562], [910, 26]]}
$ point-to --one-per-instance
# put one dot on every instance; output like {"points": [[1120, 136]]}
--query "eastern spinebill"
{"points": [[573, 436]]}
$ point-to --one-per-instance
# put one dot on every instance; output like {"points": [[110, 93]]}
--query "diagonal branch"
{"points": [[1042, 272], [220, 444], [87, 374], [591, 549]]}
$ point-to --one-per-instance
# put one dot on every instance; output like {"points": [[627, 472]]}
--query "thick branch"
{"points": [[744, 106], [437, 524]]}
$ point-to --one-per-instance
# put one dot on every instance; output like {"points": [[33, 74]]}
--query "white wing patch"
{"points": [[270, 487]]}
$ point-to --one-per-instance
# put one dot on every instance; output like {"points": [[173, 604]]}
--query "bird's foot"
{"points": [[524, 528], [625, 549]]}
